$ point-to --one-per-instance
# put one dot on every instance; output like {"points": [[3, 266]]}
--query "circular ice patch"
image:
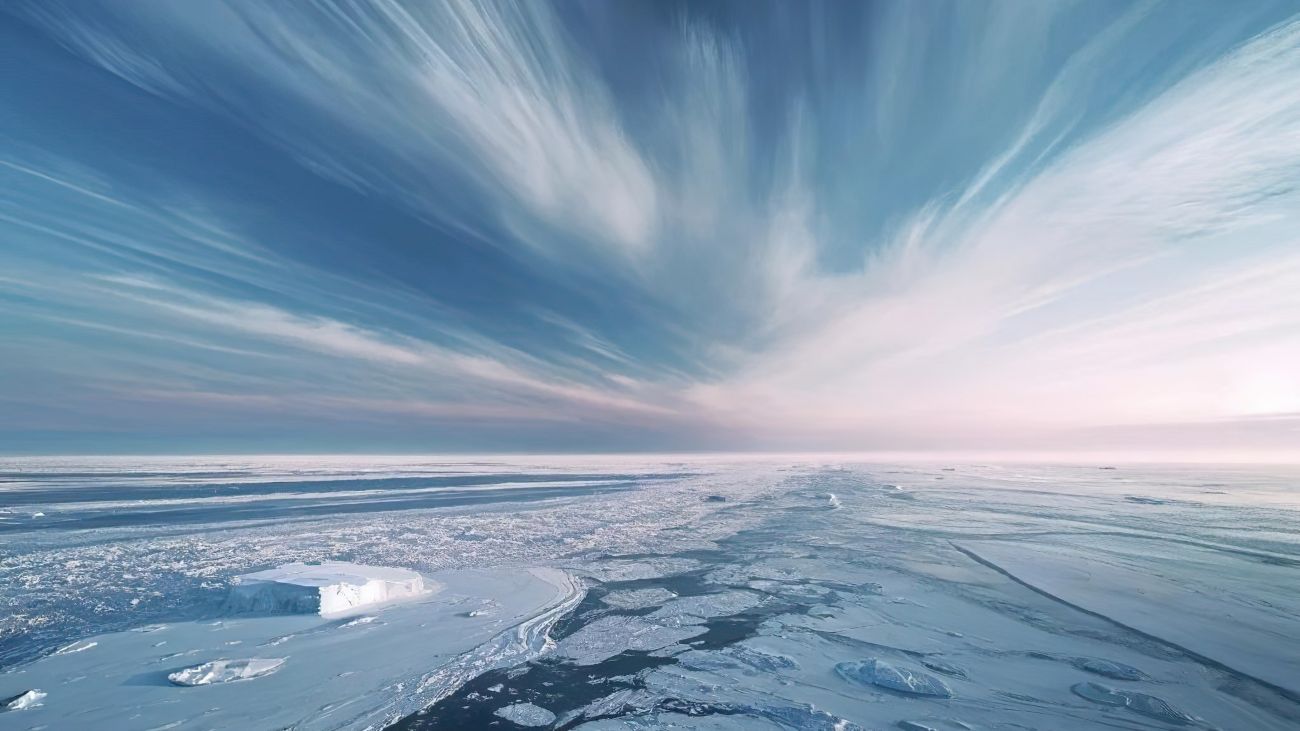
{"points": [[1098, 693], [880, 673]]}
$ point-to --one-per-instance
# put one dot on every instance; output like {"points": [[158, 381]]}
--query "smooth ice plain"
{"points": [[646, 593]]}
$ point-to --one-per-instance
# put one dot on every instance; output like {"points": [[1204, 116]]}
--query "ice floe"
{"points": [[225, 671], [326, 588], [610, 636], [696, 609], [1143, 704], [637, 598], [885, 675], [526, 714]]}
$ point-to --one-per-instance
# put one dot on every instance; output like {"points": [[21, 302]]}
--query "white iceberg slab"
{"points": [[327, 588]]}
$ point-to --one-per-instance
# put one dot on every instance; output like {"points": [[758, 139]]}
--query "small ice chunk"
{"points": [[637, 598], [25, 700], [882, 674], [326, 588], [526, 714], [364, 619], [939, 666], [1098, 693], [79, 646], [226, 671], [1110, 668]]}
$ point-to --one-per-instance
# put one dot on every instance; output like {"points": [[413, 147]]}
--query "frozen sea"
{"points": [[603, 593]]}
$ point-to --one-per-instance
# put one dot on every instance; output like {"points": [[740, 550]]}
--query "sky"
{"points": [[262, 226]]}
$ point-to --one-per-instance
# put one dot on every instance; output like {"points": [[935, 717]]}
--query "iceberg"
{"points": [[327, 588], [225, 671]]}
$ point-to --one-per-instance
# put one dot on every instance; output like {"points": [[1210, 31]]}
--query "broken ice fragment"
{"points": [[25, 700], [882, 674], [226, 671], [526, 714]]}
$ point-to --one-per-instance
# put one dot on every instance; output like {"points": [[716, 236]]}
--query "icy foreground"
{"points": [[328, 588], [714, 595], [302, 671]]}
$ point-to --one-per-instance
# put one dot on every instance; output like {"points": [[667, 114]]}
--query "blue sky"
{"points": [[592, 226]]}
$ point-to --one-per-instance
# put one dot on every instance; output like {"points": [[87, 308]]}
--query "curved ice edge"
{"points": [[1204, 660], [518, 644]]}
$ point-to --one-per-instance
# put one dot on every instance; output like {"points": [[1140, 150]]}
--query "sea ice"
{"points": [[23, 701], [226, 671], [637, 598], [526, 714], [610, 636], [880, 673], [695, 609], [364, 676], [326, 588]]}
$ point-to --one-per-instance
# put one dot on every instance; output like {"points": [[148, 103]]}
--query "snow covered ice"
{"points": [[997, 597]]}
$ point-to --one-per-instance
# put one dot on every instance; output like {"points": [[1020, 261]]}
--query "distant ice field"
{"points": [[720, 592]]}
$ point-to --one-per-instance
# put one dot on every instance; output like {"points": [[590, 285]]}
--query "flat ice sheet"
{"points": [[1220, 620], [336, 674]]}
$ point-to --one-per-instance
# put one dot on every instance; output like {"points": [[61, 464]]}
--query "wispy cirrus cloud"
{"points": [[822, 227]]}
